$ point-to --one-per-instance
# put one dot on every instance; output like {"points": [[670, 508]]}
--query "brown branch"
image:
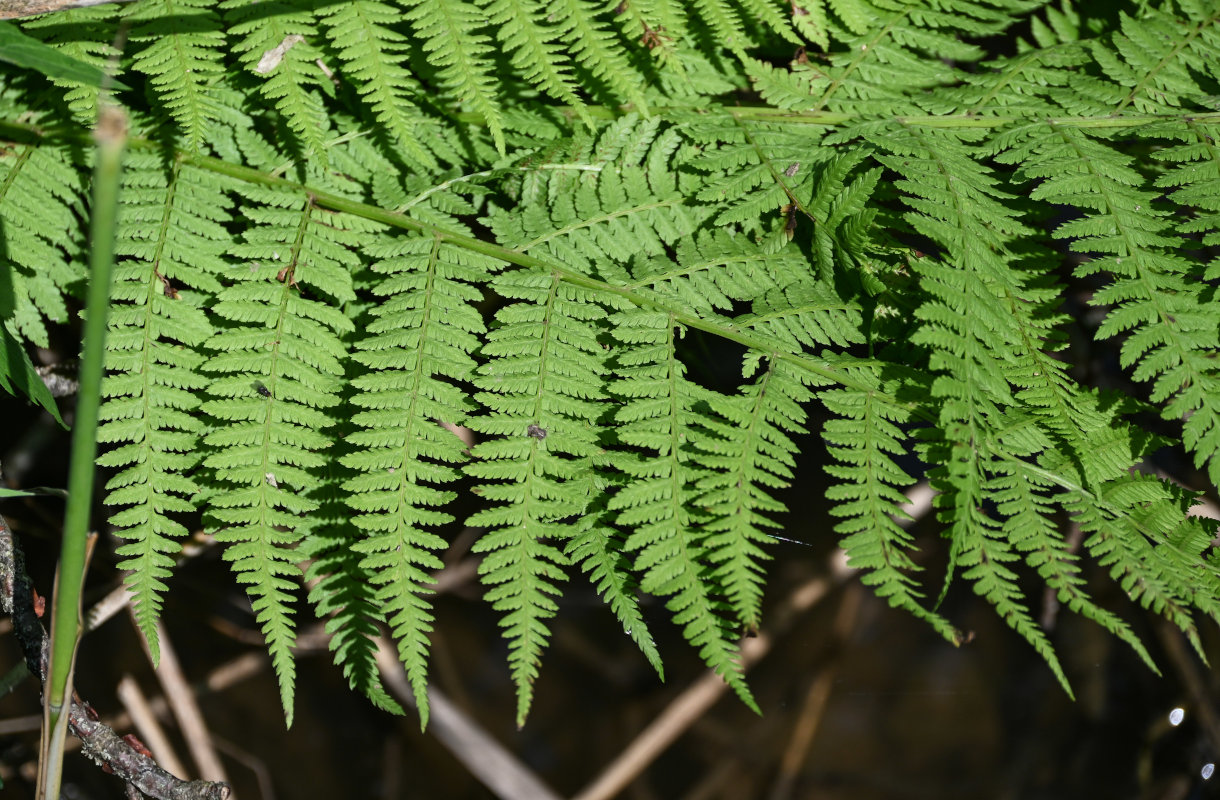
{"points": [[101, 744], [12, 9]]}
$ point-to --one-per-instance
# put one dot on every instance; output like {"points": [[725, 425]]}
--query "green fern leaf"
{"points": [[279, 42], [749, 454], [538, 388], [344, 592], [363, 34], [419, 342], [182, 57], [39, 188], [594, 49], [865, 439], [658, 502], [598, 548], [172, 237], [277, 365], [460, 55], [1173, 336], [535, 53], [85, 34]]}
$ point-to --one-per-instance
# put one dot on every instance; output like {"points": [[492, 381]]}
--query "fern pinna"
{"points": [[353, 232]]}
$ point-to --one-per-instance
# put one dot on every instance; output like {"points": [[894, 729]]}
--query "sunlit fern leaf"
{"points": [[171, 242], [371, 48], [449, 34], [1020, 85], [904, 46], [520, 25], [596, 49], [85, 34], [40, 250], [418, 344], [276, 365], [725, 23], [856, 15], [658, 25], [810, 20], [865, 440], [755, 168], [658, 421], [613, 211], [749, 455], [805, 316], [709, 274], [1152, 62], [979, 358], [181, 44], [342, 591], [873, 216], [1172, 333], [1027, 504], [279, 44], [597, 548], [540, 388], [1196, 181], [1136, 525], [780, 87]]}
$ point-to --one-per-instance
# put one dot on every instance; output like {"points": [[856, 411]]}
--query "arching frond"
{"points": [[172, 241], [352, 231]]}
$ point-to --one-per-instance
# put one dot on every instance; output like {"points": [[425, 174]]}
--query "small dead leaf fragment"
{"points": [[272, 58]]}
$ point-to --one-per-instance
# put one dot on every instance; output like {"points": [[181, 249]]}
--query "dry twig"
{"points": [[12, 9], [101, 744]]}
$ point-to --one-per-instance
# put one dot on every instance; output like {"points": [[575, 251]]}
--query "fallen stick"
{"points": [[101, 744]]}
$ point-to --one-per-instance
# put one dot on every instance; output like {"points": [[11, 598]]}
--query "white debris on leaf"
{"points": [[272, 58], [271, 480]]}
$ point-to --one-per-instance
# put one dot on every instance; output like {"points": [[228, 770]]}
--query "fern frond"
{"points": [[804, 316], [535, 53], [1155, 296], [418, 343], [363, 34], [598, 549], [907, 49], [461, 55], [595, 49], [658, 502], [40, 191], [1196, 178], [1139, 530], [755, 169], [85, 34], [279, 42], [621, 209], [749, 455], [1028, 508], [343, 591], [710, 273], [540, 388], [182, 58], [865, 439], [1021, 85], [1151, 63], [277, 364], [172, 238]]}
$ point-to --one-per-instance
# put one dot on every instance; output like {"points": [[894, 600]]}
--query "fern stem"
{"points": [[819, 367], [959, 121]]}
